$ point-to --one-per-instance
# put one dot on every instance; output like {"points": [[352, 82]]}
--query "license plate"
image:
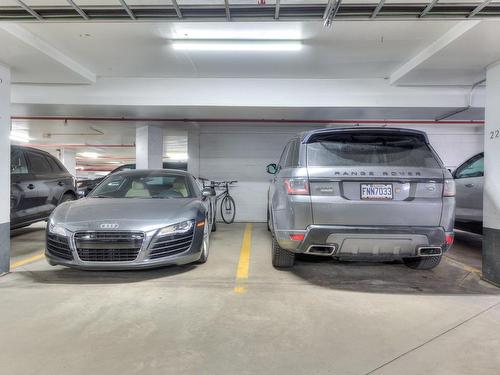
{"points": [[376, 191]]}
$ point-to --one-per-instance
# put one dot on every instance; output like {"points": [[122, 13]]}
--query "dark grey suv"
{"points": [[361, 194], [39, 182]]}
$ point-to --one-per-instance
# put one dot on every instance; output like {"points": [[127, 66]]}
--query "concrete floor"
{"points": [[323, 317]]}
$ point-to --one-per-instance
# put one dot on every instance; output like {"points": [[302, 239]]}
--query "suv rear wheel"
{"points": [[281, 258], [422, 263]]}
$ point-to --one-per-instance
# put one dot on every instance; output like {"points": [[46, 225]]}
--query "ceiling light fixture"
{"points": [[89, 155], [177, 156], [238, 45], [21, 137]]}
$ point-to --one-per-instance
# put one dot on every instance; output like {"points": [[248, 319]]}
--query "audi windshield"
{"points": [[145, 186]]}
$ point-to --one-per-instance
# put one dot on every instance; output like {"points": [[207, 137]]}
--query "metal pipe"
{"points": [[78, 10], [30, 10], [378, 9], [460, 110], [228, 12], [428, 8], [82, 145], [246, 120], [96, 132], [332, 13], [479, 8], [177, 9], [128, 10], [277, 10]]}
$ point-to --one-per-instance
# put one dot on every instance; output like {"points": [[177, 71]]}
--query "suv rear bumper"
{"points": [[365, 241]]}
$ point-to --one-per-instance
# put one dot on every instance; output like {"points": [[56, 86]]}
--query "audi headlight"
{"points": [[57, 229], [179, 228]]}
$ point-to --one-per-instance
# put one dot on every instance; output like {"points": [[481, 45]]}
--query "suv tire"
{"points": [[281, 258], [422, 263]]}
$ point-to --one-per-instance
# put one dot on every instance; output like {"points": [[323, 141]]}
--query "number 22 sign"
{"points": [[495, 134]]}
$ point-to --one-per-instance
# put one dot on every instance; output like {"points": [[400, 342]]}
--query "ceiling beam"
{"points": [[331, 11], [445, 40], [128, 10], [428, 8], [228, 12], [177, 9], [30, 10], [277, 10], [78, 10], [479, 8], [48, 50], [377, 9]]}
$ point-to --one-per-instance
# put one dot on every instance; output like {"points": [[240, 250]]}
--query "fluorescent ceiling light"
{"points": [[238, 45], [236, 31], [21, 137], [177, 156], [89, 155]]}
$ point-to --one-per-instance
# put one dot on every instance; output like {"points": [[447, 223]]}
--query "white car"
{"points": [[469, 181]]}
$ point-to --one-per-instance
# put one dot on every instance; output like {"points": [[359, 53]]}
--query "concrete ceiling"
{"points": [[364, 49], [354, 70], [350, 50]]}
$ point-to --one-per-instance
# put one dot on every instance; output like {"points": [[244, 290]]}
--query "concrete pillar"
{"points": [[68, 158], [149, 147], [194, 152], [4, 169], [491, 211]]}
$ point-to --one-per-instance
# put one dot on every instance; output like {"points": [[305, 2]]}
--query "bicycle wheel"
{"points": [[228, 209]]}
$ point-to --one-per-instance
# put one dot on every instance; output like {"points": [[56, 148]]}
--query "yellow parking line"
{"points": [[464, 266], [23, 262], [244, 262]]}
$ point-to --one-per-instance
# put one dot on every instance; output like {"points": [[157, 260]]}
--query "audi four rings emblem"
{"points": [[109, 226]]}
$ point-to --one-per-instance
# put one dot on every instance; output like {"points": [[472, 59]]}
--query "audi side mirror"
{"points": [[272, 168]]}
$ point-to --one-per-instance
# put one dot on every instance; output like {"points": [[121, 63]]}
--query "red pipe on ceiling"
{"points": [[261, 120], [62, 145]]}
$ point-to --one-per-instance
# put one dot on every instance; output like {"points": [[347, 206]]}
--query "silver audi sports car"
{"points": [[134, 219]]}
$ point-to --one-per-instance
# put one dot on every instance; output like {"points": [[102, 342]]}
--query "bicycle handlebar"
{"points": [[223, 182]]}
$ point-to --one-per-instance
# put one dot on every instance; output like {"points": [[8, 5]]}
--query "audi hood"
{"points": [[125, 213]]}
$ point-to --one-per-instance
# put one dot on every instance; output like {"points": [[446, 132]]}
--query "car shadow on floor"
{"points": [[390, 277], [26, 231], [70, 276]]}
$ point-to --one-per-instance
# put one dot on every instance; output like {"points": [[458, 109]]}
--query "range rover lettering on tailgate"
{"points": [[361, 194]]}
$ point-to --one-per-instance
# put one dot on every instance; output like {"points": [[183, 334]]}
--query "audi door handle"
{"points": [[469, 185], [31, 186], [60, 183]]}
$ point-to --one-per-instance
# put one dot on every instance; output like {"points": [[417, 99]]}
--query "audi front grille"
{"points": [[112, 246]]}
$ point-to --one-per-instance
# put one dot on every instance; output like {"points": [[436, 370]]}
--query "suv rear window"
{"points": [[348, 149]]}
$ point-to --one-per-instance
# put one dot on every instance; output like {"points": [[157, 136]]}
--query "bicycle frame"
{"points": [[222, 195]]}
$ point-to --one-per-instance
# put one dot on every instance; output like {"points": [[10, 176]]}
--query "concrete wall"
{"points": [[235, 152], [455, 143]]}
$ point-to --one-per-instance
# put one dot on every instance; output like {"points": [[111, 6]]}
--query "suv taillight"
{"points": [[449, 189], [297, 186]]}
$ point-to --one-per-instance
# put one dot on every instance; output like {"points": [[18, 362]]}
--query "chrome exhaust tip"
{"points": [[429, 251], [324, 250]]}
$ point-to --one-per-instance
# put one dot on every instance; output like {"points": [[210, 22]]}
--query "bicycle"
{"points": [[227, 205]]}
